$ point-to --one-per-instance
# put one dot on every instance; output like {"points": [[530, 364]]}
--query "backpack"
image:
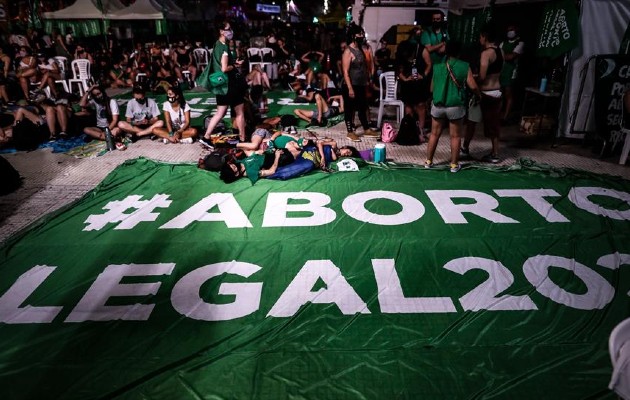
{"points": [[388, 133], [9, 178], [27, 136], [215, 160], [408, 132]]}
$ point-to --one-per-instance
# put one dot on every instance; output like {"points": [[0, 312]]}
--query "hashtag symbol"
{"points": [[143, 211]]}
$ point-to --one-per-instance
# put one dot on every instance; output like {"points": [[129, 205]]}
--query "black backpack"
{"points": [[214, 161], [9, 178], [27, 136], [408, 132]]}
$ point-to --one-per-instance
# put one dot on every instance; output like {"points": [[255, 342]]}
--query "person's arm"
{"points": [[304, 58], [346, 59], [426, 41], [7, 64], [472, 84], [427, 61], [272, 170], [84, 99], [185, 124], [113, 106], [275, 135], [169, 123], [155, 113], [401, 74], [225, 67], [320, 149]]}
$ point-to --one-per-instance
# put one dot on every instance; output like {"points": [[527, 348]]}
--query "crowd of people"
{"points": [[337, 72]]}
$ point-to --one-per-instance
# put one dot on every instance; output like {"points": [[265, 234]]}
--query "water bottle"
{"points": [[414, 71], [543, 84], [109, 139]]}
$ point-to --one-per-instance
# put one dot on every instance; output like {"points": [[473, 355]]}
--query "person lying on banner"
{"points": [[324, 112], [257, 164]]}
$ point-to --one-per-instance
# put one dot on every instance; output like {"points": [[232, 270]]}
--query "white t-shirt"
{"points": [[178, 118], [138, 112], [101, 112]]}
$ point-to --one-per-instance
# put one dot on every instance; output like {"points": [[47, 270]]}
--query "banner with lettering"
{"points": [[390, 282], [612, 79], [559, 29]]}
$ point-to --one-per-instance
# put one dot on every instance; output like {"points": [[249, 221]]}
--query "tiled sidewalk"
{"points": [[54, 180]]}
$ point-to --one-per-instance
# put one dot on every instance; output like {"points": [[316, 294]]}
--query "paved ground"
{"points": [[52, 180]]}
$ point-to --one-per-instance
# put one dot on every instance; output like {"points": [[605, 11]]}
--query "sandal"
{"points": [[120, 146]]}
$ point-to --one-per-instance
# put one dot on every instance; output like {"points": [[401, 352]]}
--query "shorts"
{"points": [[235, 96], [449, 113], [263, 133]]}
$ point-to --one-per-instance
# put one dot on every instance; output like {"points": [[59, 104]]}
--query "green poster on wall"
{"points": [[559, 29]]}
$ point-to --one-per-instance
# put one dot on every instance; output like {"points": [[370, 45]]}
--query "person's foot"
{"points": [[63, 135], [456, 167], [188, 140], [491, 158], [428, 164], [353, 137], [207, 143], [464, 153], [371, 133]]}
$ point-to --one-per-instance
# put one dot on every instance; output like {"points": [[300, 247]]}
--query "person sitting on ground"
{"points": [[107, 114], [324, 112], [142, 115], [177, 117], [119, 75], [257, 164]]}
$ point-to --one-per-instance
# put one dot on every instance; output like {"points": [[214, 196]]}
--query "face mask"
{"points": [[99, 98], [172, 99], [359, 40], [511, 34], [22, 54], [437, 25], [228, 35], [141, 101]]}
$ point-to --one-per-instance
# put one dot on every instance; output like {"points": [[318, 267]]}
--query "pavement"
{"points": [[54, 180]]}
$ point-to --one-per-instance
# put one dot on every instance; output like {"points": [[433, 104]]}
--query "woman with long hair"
{"points": [[223, 60], [177, 117]]}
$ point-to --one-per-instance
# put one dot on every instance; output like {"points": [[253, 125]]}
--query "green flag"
{"points": [[465, 28], [389, 282], [559, 29]]}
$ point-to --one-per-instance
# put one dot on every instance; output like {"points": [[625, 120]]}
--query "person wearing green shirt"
{"points": [[257, 164], [434, 39], [449, 82]]}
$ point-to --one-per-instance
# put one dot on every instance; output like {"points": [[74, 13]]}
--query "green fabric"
{"points": [[253, 164], [445, 92], [281, 141], [217, 52], [559, 29], [390, 282], [430, 38]]}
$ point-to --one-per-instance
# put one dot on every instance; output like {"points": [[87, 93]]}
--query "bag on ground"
{"points": [[388, 133], [408, 132], [9, 178], [27, 136]]}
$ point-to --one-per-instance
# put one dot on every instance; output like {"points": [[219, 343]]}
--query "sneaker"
{"points": [[207, 143], [353, 137], [187, 140], [490, 158], [428, 164], [63, 135], [166, 141], [456, 167], [371, 133]]}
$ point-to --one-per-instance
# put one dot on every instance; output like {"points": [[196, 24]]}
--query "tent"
{"points": [[83, 9], [148, 10]]}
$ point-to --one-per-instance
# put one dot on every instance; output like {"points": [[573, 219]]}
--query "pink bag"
{"points": [[388, 133]]}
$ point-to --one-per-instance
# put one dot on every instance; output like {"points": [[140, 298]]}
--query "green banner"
{"points": [[465, 28], [391, 282], [559, 29]]}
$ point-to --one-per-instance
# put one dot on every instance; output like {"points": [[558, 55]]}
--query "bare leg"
{"points": [[303, 114], [455, 129], [51, 120], [470, 132], [218, 116], [95, 132], [509, 96], [239, 121], [436, 131], [62, 117]]}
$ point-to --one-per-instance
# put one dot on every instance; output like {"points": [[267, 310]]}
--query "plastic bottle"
{"points": [[414, 71], [543, 84], [109, 139]]}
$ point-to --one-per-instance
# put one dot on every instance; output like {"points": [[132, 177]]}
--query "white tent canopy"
{"points": [[84, 9], [147, 10]]}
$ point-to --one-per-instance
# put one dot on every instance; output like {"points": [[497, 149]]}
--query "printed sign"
{"points": [[559, 29], [612, 79], [393, 282]]}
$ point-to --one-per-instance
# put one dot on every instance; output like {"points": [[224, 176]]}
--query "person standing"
{"points": [[490, 66], [449, 102], [355, 81], [223, 60], [512, 49], [435, 38]]}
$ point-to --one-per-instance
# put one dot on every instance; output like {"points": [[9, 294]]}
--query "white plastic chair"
{"points": [[80, 75], [201, 57], [619, 348], [62, 63], [389, 86], [254, 52], [624, 131], [266, 57]]}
